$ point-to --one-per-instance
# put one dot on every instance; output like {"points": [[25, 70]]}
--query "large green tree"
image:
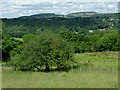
{"points": [[46, 50]]}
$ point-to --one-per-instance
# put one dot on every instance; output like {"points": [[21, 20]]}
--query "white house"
{"points": [[90, 31]]}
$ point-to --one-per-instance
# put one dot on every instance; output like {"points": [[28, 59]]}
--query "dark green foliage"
{"points": [[97, 42], [108, 42], [76, 39], [81, 42], [8, 44], [46, 50]]}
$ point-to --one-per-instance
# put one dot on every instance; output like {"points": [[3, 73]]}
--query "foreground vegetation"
{"points": [[72, 79], [85, 76]]}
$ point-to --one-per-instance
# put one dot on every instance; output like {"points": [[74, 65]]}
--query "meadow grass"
{"points": [[99, 58], [71, 79], [97, 75]]}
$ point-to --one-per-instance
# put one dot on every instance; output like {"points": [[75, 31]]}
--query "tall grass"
{"points": [[72, 79]]}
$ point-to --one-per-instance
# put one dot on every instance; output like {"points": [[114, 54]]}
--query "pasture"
{"points": [[96, 70]]}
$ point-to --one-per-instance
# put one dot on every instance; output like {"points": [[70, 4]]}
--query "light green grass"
{"points": [[20, 39], [98, 75], [72, 79], [99, 58]]}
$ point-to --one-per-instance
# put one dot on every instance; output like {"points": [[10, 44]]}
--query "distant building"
{"points": [[49, 19], [111, 19], [90, 31], [102, 29], [103, 19]]}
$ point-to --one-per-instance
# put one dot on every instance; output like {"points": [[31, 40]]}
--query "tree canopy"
{"points": [[46, 50]]}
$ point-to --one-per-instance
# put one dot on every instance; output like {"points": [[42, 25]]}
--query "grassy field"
{"points": [[107, 59], [98, 75], [20, 39]]}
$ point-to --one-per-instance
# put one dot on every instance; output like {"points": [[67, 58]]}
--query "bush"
{"points": [[46, 50]]}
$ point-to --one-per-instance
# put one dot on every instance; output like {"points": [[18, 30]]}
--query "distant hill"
{"points": [[45, 15], [84, 14], [71, 15], [80, 22]]}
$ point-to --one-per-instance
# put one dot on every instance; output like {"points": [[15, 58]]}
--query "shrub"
{"points": [[46, 50]]}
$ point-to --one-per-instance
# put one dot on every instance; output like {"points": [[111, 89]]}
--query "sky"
{"points": [[17, 8]]}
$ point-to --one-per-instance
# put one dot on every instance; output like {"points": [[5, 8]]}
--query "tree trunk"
{"points": [[47, 68]]}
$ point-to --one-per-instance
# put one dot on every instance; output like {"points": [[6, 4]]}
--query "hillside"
{"points": [[82, 14], [75, 22], [51, 15], [71, 15], [45, 15]]}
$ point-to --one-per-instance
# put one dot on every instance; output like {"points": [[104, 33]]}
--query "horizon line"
{"points": [[60, 14]]}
